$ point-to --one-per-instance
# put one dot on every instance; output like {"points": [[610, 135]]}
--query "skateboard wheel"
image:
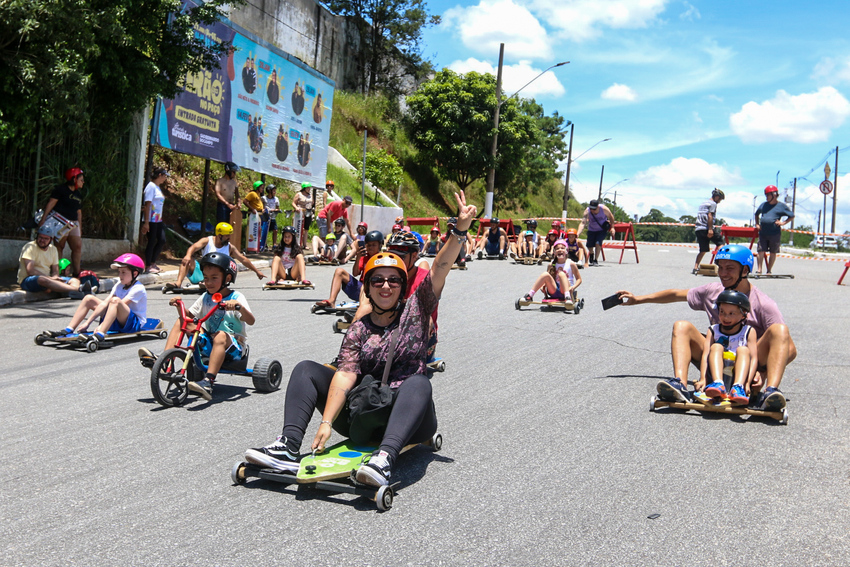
{"points": [[652, 403], [40, 339], [336, 327], [577, 309], [441, 367], [314, 309], [91, 346], [237, 473], [384, 498], [437, 442], [163, 334], [517, 304], [784, 420]]}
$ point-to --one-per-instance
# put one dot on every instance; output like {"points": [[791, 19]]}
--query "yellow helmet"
{"points": [[223, 229]]}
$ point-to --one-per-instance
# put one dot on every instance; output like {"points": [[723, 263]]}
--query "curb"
{"points": [[106, 284]]}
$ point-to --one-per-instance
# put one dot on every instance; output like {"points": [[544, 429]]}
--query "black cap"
{"points": [[347, 199], [594, 203]]}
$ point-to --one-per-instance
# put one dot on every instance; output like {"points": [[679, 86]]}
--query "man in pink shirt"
{"points": [[775, 349], [331, 212]]}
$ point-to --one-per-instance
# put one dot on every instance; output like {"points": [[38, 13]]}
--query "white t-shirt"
{"points": [[286, 258], [271, 203], [228, 321], [138, 303], [154, 194]]}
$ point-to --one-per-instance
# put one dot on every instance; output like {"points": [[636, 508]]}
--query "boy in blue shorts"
{"points": [[123, 311]]}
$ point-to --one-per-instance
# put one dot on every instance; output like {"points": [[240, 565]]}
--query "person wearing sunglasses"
{"points": [[364, 351]]}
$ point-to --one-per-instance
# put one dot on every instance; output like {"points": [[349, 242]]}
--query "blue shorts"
{"points": [[30, 283], [352, 288], [492, 248], [197, 276], [131, 325], [595, 237], [272, 224], [233, 352]]}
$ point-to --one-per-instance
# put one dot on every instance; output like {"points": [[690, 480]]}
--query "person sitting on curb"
{"points": [[774, 348], [494, 241], [219, 243], [223, 337], [599, 221], [288, 263], [123, 311], [324, 251], [38, 268], [343, 241], [350, 283]]}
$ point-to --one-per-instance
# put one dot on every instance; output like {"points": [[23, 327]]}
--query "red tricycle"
{"points": [[176, 367]]}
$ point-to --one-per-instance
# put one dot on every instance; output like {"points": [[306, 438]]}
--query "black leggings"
{"points": [[413, 418], [156, 242]]}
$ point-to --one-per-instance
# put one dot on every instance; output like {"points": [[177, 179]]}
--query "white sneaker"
{"points": [[376, 472]]}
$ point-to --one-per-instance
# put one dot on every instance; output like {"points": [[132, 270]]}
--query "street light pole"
{"points": [[601, 175], [491, 174], [567, 183]]}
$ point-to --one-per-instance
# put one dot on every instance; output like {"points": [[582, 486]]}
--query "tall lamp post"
{"points": [[570, 160], [491, 175]]}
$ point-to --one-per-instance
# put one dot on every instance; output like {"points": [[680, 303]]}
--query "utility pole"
{"points": [[834, 191], [601, 175], [567, 183], [793, 208], [491, 175]]}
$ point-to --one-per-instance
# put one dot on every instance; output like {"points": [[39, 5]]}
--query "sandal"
{"points": [[306, 282], [324, 303]]}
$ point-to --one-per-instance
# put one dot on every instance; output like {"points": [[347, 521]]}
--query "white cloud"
{"points": [[697, 118], [619, 92], [484, 26], [804, 118], [514, 77], [832, 71], [582, 19], [691, 13], [686, 174]]}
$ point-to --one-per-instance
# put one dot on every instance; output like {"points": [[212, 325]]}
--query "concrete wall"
{"points": [[307, 30], [94, 250]]}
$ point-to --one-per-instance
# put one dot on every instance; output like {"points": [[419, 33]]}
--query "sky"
{"points": [[693, 94]]}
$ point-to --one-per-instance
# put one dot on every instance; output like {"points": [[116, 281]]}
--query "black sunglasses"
{"points": [[378, 281]]}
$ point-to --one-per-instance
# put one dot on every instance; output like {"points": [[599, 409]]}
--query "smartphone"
{"points": [[611, 301], [361, 243]]}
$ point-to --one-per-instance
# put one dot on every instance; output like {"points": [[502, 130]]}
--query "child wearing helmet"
{"points": [[433, 242], [396, 228], [358, 242], [467, 243], [220, 242], [123, 311], [349, 283], [288, 262], [576, 250], [525, 246], [224, 336], [727, 356], [561, 277], [343, 241], [545, 250], [324, 251]]}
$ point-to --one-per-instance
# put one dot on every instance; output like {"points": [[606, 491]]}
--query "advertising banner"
{"points": [[263, 110]]}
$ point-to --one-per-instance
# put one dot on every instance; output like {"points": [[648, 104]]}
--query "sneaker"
{"points": [[703, 399], [85, 288], [501, 256], [461, 263], [169, 286], [695, 271], [55, 334], [274, 456], [480, 254], [738, 396], [528, 297], [672, 390], [512, 255], [715, 390], [376, 472], [203, 388], [770, 399], [146, 358]]}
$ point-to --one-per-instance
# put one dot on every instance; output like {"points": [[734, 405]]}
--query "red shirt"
{"points": [[333, 211]]}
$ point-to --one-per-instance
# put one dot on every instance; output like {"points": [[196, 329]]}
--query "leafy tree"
{"points": [[383, 170], [390, 37], [658, 233], [78, 63]]}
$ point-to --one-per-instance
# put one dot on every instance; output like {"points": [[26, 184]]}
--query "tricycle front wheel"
{"points": [[168, 380]]}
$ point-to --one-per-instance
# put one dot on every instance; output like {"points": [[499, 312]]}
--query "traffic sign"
{"points": [[826, 170], [826, 187]]}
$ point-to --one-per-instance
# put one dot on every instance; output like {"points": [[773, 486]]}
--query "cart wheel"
{"points": [[577, 309], [168, 382], [581, 303], [163, 334], [314, 308], [267, 375], [517, 304], [40, 339], [237, 473], [91, 345], [784, 420], [336, 327], [384, 498], [441, 367], [436, 442], [652, 403]]}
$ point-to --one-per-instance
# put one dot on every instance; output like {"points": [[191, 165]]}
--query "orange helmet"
{"points": [[572, 231], [385, 260]]}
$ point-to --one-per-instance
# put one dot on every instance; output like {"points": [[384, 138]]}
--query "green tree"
{"points": [[657, 233], [77, 63], [382, 170], [390, 38]]}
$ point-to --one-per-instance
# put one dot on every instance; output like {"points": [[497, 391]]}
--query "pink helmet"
{"points": [[560, 242], [131, 261]]}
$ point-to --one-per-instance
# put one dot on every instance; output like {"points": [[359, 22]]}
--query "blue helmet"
{"points": [[736, 253]]}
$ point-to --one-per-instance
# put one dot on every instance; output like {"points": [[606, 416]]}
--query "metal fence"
{"points": [[30, 171]]}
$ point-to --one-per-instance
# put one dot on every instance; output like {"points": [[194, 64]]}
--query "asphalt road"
{"points": [[550, 457]]}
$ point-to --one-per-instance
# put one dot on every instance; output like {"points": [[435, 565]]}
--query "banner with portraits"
{"points": [[262, 109]]}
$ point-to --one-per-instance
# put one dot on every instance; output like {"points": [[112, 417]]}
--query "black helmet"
{"points": [[375, 236], [718, 193], [452, 220], [531, 223], [223, 261], [404, 239], [494, 220], [231, 167], [289, 229], [732, 297], [340, 220]]}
